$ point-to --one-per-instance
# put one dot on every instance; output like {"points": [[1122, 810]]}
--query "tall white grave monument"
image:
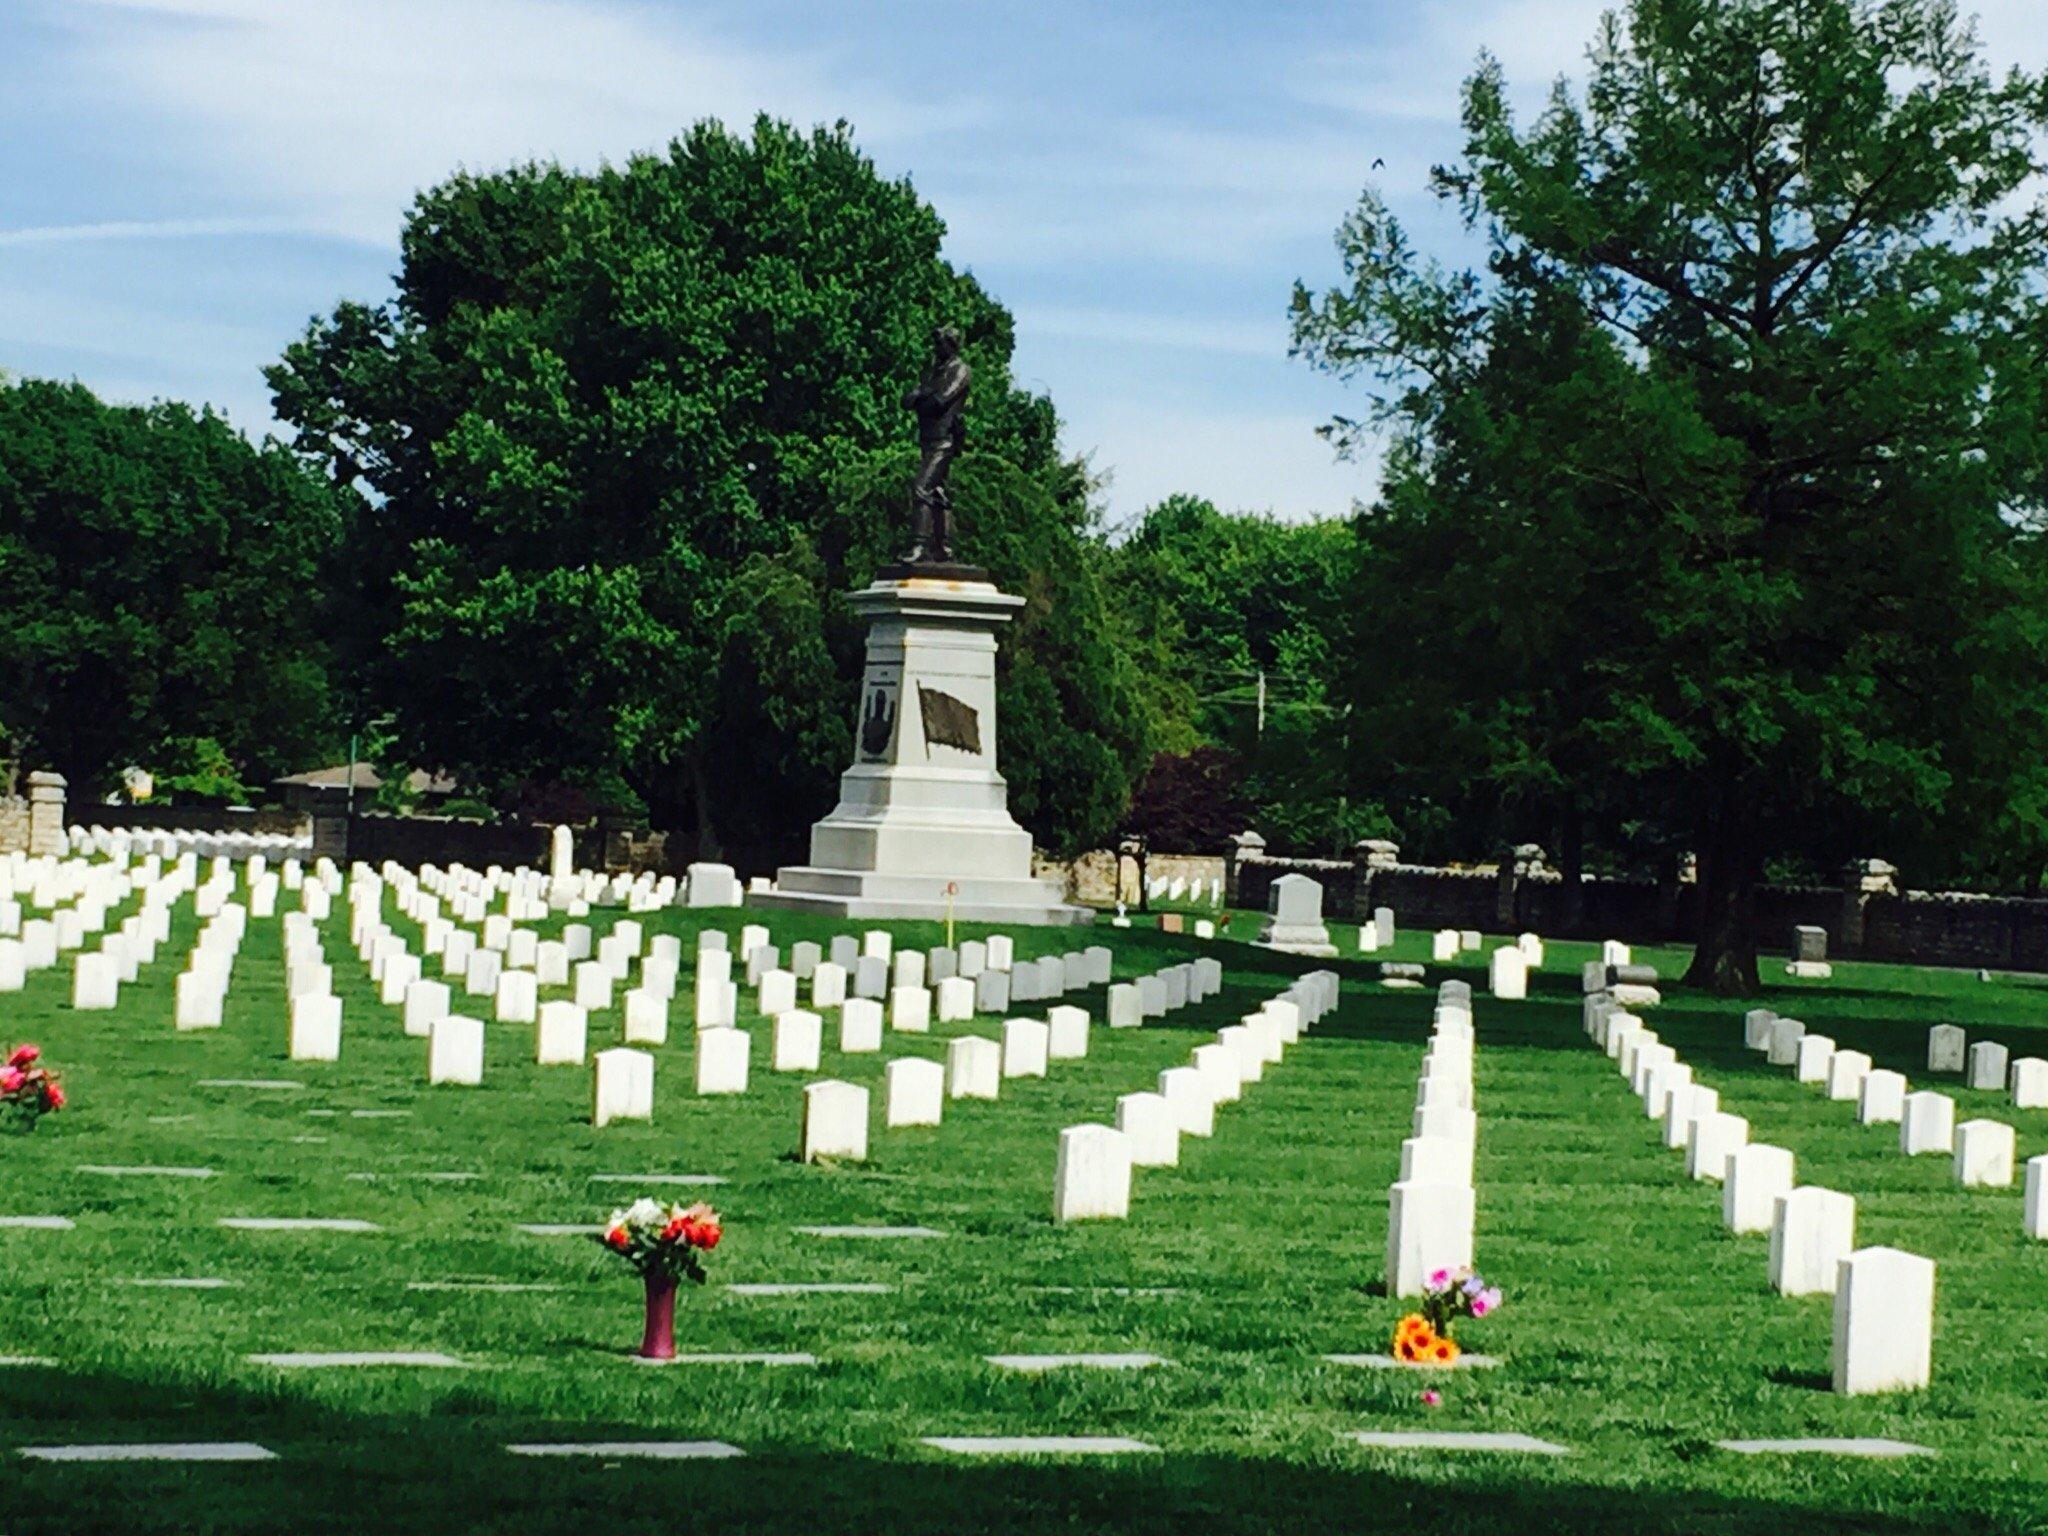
{"points": [[923, 826]]}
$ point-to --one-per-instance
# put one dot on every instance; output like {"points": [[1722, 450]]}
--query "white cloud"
{"points": [[334, 113], [147, 229]]}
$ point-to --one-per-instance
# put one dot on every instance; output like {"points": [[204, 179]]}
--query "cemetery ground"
{"points": [[1637, 1332]]}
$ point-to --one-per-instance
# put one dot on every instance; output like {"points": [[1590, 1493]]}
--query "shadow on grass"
{"points": [[449, 1472]]}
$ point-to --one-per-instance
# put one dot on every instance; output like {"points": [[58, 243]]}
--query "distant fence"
{"points": [[1866, 917]]}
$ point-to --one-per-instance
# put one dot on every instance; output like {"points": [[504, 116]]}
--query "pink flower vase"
{"points": [[658, 1341]]}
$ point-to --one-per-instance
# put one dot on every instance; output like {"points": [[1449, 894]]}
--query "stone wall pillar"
{"points": [[1372, 856], [45, 814], [1861, 880], [1243, 845], [1514, 869]]}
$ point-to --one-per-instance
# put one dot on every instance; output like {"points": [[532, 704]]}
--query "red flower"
{"points": [[11, 1079], [617, 1238], [680, 1227], [53, 1096], [24, 1055], [708, 1235]]}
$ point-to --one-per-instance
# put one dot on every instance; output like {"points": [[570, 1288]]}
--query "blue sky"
{"points": [[190, 180]]}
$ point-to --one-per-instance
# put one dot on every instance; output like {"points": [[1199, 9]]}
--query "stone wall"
{"points": [[1099, 879], [1866, 916], [14, 824], [193, 818]]}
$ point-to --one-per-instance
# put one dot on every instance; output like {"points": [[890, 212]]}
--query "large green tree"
{"points": [[625, 435], [1238, 620], [161, 594], [1794, 478]]}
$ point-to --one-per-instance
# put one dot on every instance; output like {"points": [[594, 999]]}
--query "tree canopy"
{"points": [[161, 594], [626, 438], [1713, 488]]}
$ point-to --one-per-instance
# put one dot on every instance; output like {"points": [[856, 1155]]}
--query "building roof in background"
{"points": [[419, 781]]}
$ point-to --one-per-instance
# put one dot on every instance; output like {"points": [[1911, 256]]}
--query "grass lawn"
{"points": [[1636, 1331]]}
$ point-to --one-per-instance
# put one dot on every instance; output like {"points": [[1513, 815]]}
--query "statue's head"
{"points": [[945, 341]]}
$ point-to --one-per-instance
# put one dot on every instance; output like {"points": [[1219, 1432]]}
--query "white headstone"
{"points": [[455, 1050], [723, 1056], [1846, 1072], [426, 1003], [835, 1121], [1985, 1150], [915, 1093], [562, 1038], [1220, 1069], [712, 885], [1125, 1006], [1785, 1037], [622, 1086], [1929, 1124], [799, 1040], [1025, 1044], [1715, 1138], [1429, 1227], [974, 1068], [315, 1028], [1508, 974], [1946, 1044], [1812, 1230], [1187, 1095], [1092, 1174], [860, 1026], [1066, 1032], [96, 984], [2035, 1213], [1150, 1128], [1884, 1322], [1443, 945], [910, 1008], [1810, 1063], [518, 1000], [2028, 1079], [1882, 1100], [714, 989], [199, 1000], [646, 1017], [1758, 1176], [777, 993], [955, 1000], [1987, 1066]]}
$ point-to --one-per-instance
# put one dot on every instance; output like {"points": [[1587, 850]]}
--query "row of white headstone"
{"points": [[1884, 1298], [1092, 1168], [1983, 1152], [1431, 1207], [174, 843], [1988, 1066], [1174, 888]]}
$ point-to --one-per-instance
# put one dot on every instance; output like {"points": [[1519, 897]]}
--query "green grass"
{"points": [[1636, 1331]]}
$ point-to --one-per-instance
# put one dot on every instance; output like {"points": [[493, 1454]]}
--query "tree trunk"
{"points": [[1724, 952], [1571, 869], [708, 845]]}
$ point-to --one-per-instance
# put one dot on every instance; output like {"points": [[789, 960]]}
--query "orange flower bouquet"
{"points": [[1424, 1338]]}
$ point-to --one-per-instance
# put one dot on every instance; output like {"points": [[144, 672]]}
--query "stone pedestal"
{"points": [[45, 815], [923, 807]]}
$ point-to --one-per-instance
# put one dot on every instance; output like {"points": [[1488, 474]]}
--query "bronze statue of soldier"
{"points": [[940, 402]]}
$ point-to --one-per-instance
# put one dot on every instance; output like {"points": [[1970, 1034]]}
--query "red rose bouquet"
{"points": [[27, 1091], [667, 1244]]}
